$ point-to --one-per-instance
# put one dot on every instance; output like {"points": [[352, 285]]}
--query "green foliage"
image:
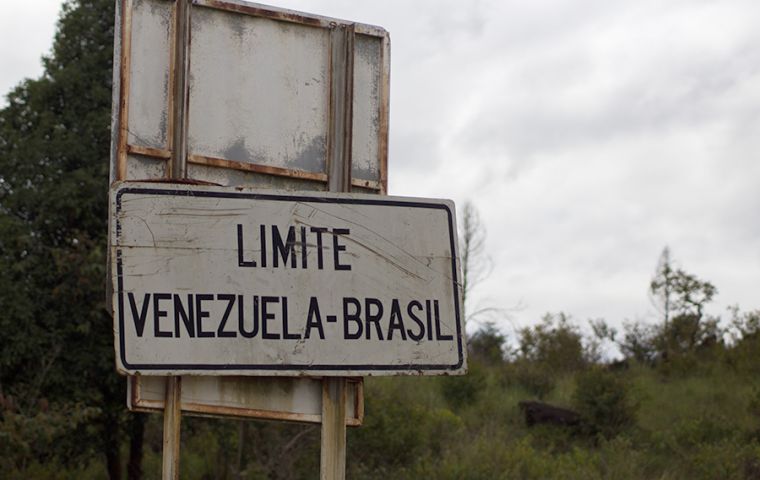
{"points": [[554, 343], [486, 345], [400, 428], [604, 403], [26, 438], [54, 145], [462, 390], [745, 336], [536, 379]]}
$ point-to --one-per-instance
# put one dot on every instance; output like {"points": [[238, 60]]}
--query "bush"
{"points": [[603, 402], [536, 380], [460, 391], [555, 344]]}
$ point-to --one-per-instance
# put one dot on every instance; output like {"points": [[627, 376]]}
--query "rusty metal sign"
{"points": [[269, 398], [257, 102], [220, 281]]}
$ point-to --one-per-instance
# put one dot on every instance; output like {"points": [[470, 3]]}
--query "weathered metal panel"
{"points": [[140, 167], [234, 178], [259, 90], [366, 108], [377, 293], [268, 398], [150, 73]]}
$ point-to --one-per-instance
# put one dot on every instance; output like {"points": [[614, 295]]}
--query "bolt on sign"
{"points": [[220, 281]]}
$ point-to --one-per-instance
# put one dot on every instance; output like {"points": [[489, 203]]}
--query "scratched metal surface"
{"points": [[366, 112], [291, 399], [180, 244], [144, 168], [234, 178], [259, 90], [149, 75]]}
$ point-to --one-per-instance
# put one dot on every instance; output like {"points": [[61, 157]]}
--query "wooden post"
{"points": [[177, 170], [172, 419], [333, 448], [333, 452]]}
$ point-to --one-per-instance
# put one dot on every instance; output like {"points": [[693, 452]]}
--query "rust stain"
{"points": [[171, 93], [180, 181], [382, 141], [256, 168], [149, 151], [370, 184], [124, 73], [284, 16]]}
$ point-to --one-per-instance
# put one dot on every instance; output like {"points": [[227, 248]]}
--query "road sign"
{"points": [[220, 281], [282, 398], [150, 140]]}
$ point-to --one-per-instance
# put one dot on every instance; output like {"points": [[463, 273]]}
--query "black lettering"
{"points": [[397, 322], [158, 314], [283, 250], [241, 262], [352, 317], [415, 336], [304, 253], [241, 317], [285, 334], [337, 248], [200, 314], [266, 316], [314, 319], [139, 319], [373, 317], [263, 240], [438, 334], [185, 315], [220, 332], [429, 320], [319, 231]]}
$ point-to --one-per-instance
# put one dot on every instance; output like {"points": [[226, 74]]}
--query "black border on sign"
{"points": [[291, 367]]}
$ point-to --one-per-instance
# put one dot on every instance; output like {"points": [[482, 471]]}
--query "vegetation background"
{"points": [[682, 402]]}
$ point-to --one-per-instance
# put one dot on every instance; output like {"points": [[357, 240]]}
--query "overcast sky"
{"points": [[588, 134]]}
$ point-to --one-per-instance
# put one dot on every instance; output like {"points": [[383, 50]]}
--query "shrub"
{"points": [[463, 390], [603, 402]]}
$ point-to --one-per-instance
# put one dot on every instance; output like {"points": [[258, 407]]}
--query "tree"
{"points": [[476, 265], [677, 292], [681, 298], [661, 286], [54, 145], [555, 344], [486, 345]]}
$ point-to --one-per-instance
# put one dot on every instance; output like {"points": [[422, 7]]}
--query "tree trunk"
{"points": [[111, 446], [136, 435]]}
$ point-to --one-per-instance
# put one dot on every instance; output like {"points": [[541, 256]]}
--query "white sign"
{"points": [[235, 281]]}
